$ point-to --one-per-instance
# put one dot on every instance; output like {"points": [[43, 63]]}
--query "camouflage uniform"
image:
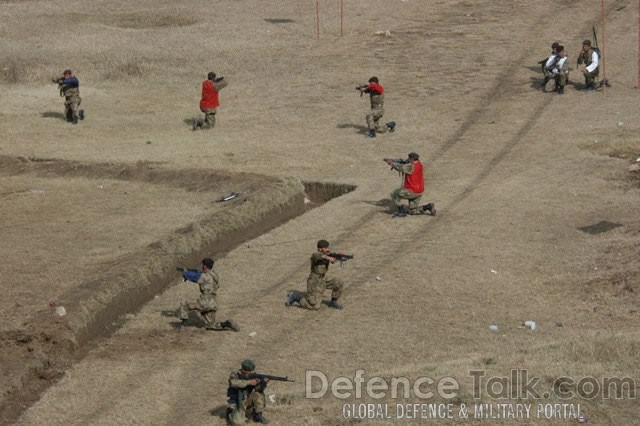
{"points": [[377, 111], [586, 58], [206, 303], [72, 100], [253, 400], [210, 113], [317, 283], [404, 194]]}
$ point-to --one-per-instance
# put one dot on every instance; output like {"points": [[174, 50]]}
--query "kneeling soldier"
{"points": [[317, 281], [246, 396]]}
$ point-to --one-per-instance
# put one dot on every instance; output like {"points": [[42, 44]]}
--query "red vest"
{"points": [[415, 181], [209, 96]]}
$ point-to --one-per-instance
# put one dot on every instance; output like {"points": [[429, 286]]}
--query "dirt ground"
{"points": [[518, 176]]}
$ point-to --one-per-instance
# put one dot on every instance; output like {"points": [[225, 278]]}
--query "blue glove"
{"points": [[192, 275]]}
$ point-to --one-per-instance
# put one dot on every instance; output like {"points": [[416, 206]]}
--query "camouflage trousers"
{"points": [[209, 118], [590, 77], [316, 284], [254, 403], [561, 78], [373, 120], [204, 305], [404, 194], [71, 104]]}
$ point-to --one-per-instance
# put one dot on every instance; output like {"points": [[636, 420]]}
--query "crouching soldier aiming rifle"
{"points": [[412, 186], [208, 281], [69, 87], [245, 394], [317, 281]]}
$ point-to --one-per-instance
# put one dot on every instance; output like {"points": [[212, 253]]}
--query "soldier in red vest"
{"points": [[210, 102], [412, 186]]}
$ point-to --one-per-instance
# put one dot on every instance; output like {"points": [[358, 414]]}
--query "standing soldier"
{"points": [[591, 69], [246, 397], [412, 186], [376, 95], [317, 281], [210, 102], [70, 88], [206, 305]]}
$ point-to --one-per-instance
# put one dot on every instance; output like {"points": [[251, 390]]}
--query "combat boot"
{"points": [[195, 124], [431, 208], [293, 298], [561, 90], [372, 134], [391, 126], [259, 418], [81, 114], [231, 325], [183, 323], [402, 212], [74, 120], [334, 304]]}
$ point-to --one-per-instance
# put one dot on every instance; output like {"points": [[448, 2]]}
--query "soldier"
{"points": [[591, 69], [376, 94], [317, 281], [412, 187], [560, 70], [70, 88], [246, 397], [549, 63], [205, 304], [210, 102]]}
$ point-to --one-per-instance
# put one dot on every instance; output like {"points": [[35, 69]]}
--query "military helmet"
{"points": [[586, 43], [373, 80], [211, 76], [248, 365], [414, 156]]}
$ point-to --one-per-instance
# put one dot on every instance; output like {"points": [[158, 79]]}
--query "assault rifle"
{"points": [[397, 160], [260, 377], [362, 88], [341, 257], [218, 80]]}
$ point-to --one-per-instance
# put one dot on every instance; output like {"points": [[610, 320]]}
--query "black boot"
{"points": [[561, 90], [431, 208], [195, 124], [293, 298], [391, 126], [372, 133], [259, 418], [230, 325], [75, 119], [334, 304], [402, 212], [81, 114]]}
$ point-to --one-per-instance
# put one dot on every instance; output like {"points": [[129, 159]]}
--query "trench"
{"points": [[97, 308]]}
